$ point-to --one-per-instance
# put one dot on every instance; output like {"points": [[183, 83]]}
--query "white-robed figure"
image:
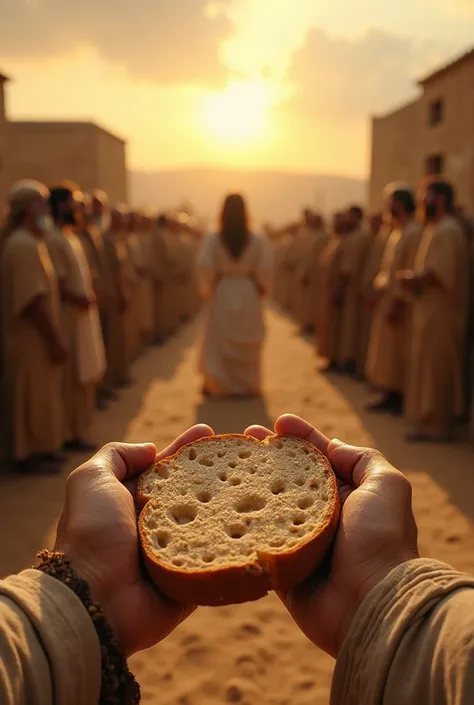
{"points": [[235, 268]]}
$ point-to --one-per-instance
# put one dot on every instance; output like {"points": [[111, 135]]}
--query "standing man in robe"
{"points": [[379, 232], [85, 365], [329, 302], [159, 274], [387, 363], [33, 347], [316, 240], [95, 222], [438, 283], [354, 251]]}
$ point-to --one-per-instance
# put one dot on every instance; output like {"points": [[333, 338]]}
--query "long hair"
{"points": [[234, 225]]}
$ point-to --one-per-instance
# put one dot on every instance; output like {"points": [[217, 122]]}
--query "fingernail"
{"points": [[336, 442]]}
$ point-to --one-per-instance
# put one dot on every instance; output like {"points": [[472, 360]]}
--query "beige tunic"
{"points": [[159, 265], [34, 405], [387, 363], [411, 641], [370, 270], [131, 264], [316, 241], [171, 294], [234, 329], [85, 365], [328, 314], [145, 289], [49, 650], [354, 251], [282, 274], [434, 394], [291, 265]]}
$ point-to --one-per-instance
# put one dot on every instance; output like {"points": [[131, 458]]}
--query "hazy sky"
{"points": [[281, 84]]}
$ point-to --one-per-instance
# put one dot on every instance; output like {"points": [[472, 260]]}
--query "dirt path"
{"points": [[250, 653]]}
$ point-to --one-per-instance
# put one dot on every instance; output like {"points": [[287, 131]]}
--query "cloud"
{"points": [[168, 41], [349, 79]]}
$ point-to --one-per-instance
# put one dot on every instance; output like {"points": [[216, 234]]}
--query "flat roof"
{"points": [[67, 123], [467, 56]]}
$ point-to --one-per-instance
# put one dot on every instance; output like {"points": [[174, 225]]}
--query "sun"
{"points": [[239, 114]]}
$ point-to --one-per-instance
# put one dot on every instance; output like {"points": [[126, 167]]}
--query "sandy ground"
{"points": [[251, 653]]}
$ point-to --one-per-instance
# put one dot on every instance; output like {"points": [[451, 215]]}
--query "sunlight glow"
{"points": [[239, 114]]}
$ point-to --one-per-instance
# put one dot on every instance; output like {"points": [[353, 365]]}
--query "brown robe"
{"points": [[434, 393], [118, 365], [316, 241], [387, 360], [32, 382], [79, 399], [160, 273], [370, 270], [328, 312], [354, 251]]}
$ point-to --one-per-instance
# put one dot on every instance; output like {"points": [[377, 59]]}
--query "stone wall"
{"points": [[405, 142], [81, 152]]}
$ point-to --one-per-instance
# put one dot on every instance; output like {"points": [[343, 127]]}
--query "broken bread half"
{"points": [[229, 518]]}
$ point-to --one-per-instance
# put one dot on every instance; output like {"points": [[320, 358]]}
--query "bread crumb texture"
{"points": [[229, 501]]}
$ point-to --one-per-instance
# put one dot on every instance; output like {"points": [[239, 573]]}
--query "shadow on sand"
{"points": [[389, 437], [30, 505], [233, 415]]}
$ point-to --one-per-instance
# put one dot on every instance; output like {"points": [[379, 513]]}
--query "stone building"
{"points": [[81, 152], [433, 135]]}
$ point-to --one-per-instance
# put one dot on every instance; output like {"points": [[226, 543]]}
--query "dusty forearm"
{"points": [[412, 635]]}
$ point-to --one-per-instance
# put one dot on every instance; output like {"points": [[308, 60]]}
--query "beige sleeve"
{"points": [[411, 642], [27, 276], [58, 255], [445, 257], [49, 650]]}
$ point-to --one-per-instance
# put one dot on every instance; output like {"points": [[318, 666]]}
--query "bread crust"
{"points": [[223, 585]]}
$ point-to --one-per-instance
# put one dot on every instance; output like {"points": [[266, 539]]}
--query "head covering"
{"points": [[23, 193]]}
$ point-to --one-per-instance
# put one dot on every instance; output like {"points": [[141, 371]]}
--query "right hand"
{"points": [[377, 532]]}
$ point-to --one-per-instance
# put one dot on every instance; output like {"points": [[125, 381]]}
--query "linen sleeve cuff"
{"points": [[65, 631], [406, 595]]}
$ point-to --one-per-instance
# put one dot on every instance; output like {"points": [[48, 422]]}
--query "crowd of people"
{"points": [[390, 300], [84, 288]]}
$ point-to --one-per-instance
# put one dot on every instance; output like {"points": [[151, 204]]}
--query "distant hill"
{"points": [[273, 197]]}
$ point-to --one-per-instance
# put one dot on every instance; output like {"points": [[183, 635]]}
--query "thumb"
{"points": [[353, 464], [125, 460]]}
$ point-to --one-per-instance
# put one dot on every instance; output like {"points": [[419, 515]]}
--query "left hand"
{"points": [[98, 533]]}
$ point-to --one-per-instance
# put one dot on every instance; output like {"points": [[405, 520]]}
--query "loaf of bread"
{"points": [[229, 518]]}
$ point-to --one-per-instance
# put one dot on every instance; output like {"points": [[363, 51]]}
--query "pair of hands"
{"points": [[98, 532]]}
